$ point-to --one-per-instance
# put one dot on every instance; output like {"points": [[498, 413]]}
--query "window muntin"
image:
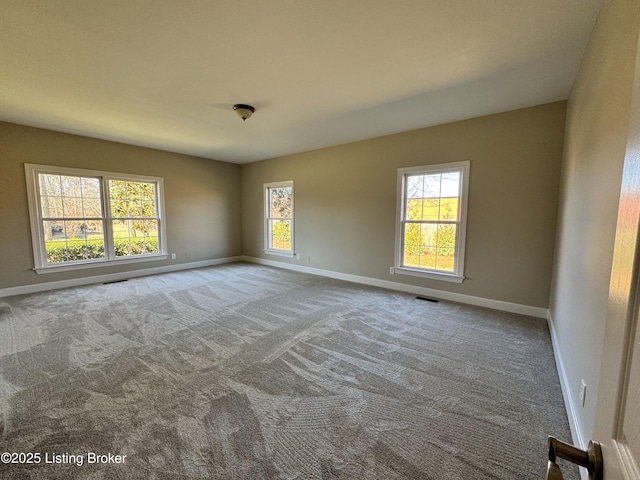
{"points": [[80, 217], [432, 220], [279, 217]]}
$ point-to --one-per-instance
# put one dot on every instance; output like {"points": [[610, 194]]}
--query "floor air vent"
{"points": [[427, 299]]}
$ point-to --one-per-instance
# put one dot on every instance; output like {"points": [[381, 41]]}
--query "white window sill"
{"points": [[281, 253], [445, 277], [80, 265]]}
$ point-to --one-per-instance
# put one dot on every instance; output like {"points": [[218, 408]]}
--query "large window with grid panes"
{"points": [[85, 218], [431, 221]]}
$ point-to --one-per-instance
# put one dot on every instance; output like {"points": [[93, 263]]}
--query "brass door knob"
{"points": [[591, 459]]}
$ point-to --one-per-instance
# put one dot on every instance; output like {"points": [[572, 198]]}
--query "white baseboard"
{"points": [[112, 277], [429, 292], [576, 433]]}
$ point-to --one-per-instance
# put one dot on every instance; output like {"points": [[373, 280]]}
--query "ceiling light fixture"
{"points": [[244, 111]]}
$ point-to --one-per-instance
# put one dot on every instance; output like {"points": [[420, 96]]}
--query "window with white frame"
{"points": [[279, 218], [82, 218], [431, 220]]}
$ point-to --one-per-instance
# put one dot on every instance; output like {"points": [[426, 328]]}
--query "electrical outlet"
{"points": [[173, 256], [583, 393], [297, 256], [392, 270]]}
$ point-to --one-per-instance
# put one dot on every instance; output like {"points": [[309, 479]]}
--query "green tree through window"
{"points": [[134, 213]]}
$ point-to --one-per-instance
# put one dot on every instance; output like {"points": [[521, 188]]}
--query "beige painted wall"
{"points": [[201, 198], [596, 134], [345, 202]]}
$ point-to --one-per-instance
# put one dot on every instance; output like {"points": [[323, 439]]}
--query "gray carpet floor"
{"points": [[244, 371]]}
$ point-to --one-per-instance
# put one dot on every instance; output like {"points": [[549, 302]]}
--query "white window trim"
{"points": [[458, 275], [267, 249], [37, 229]]}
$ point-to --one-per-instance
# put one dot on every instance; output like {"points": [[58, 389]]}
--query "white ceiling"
{"points": [[165, 73]]}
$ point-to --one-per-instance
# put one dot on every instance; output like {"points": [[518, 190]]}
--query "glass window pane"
{"points": [[135, 237], [148, 206], [280, 234], [413, 245], [419, 245], [51, 206], [50, 184], [120, 229], [450, 184], [76, 230], [446, 237], [118, 198], [413, 209], [415, 186], [72, 207], [430, 208], [430, 246], [450, 196], [67, 241], [54, 231], [121, 235], [280, 202], [70, 186], [429, 234], [151, 245], [148, 228], [432, 185], [445, 261], [90, 187], [93, 229], [448, 209], [273, 204], [92, 207], [63, 196], [432, 196], [132, 199]]}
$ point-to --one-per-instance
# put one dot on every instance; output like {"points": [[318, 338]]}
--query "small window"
{"points": [[432, 210], [81, 218], [279, 218]]}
